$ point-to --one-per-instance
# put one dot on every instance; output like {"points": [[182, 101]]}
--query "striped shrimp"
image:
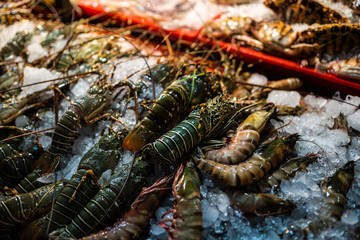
{"points": [[15, 167], [14, 46], [331, 39], [83, 184], [163, 73], [6, 149], [304, 11], [261, 204], [261, 162], [22, 208], [11, 12], [106, 205], [80, 113], [334, 191], [134, 222], [187, 218], [280, 38], [203, 122], [176, 99], [55, 35], [15, 106], [286, 84], [245, 140], [287, 171]]}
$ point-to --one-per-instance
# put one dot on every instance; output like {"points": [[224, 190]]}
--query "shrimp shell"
{"points": [[304, 11], [331, 39], [250, 171], [261, 204], [245, 140], [289, 169], [187, 222]]}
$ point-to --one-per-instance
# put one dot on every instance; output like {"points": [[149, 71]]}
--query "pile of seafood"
{"points": [[318, 34], [105, 135]]}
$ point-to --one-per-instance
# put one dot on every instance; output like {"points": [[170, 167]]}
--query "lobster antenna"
{"points": [[51, 80], [28, 133], [147, 65]]}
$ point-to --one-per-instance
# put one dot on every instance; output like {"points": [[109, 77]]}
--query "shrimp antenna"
{"points": [[322, 149]]}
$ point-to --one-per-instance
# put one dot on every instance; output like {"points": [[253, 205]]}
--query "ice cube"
{"points": [[80, 88], [104, 177], [45, 141], [35, 51], [222, 201], [353, 120], [21, 121], [257, 79], [350, 217], [210, 213], [333, 108], [287, 98], [127, 157], [36, 75], [315, 102], [158, 231], [351, 104]]}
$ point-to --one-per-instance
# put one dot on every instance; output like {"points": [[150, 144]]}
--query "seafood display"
{"points": [[99, 124]]}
